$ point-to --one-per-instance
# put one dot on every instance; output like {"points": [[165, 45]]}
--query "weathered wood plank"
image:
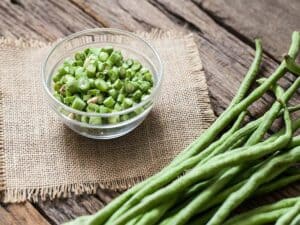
{"points": [[129, 15], [6, 218], [272, 20], [225, 57], [43, 20], [59, 211], [25, 214]]}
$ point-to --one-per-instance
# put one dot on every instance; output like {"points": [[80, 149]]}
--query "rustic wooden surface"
{"points": [[224, 31]]}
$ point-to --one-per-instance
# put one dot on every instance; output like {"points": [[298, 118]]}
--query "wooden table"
{"points": [[224, 29]]}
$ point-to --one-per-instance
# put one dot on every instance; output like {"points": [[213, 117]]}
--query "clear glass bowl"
{"points": [[131, 46]]}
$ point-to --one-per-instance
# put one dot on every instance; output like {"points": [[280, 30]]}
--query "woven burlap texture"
{"points": [[42, 158]]}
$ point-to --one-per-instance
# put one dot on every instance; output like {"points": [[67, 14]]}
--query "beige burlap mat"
{"points": [[42, 158]]}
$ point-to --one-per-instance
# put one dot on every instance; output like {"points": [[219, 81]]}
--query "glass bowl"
{"points": [[113, 124]]}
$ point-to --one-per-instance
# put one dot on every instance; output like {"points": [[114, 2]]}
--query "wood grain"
{"points": [[59, 211], [42, 20], [225, 44], [25, 213], [271, 20]]}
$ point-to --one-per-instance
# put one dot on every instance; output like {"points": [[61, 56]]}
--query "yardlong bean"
{"points": [[235, 157], [273, 168], [287, 218]]}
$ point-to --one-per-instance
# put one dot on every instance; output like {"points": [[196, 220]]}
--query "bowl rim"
{"points": [[93, 30]]}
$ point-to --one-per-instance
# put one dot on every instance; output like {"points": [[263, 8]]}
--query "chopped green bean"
{"points": [[103, 77], [78, 104]]}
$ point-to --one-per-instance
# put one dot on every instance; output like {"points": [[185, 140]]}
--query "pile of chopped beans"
{"points": [[100, 80]]}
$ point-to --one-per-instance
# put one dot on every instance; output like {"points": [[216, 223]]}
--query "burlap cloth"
{"points": [[42, 158]]}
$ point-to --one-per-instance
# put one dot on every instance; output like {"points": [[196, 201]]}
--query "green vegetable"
{"points": [[78, 104], [101, 85], [231, 161], [258, 215], [109, 102], [101, 76], [290, 215]]}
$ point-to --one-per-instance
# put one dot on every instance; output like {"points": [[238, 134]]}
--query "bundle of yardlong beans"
{"points": [[230, 162]]}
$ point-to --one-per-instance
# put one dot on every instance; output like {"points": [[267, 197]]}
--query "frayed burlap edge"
{"points": [[67, 190]]}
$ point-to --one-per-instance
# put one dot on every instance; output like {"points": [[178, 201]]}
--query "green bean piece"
{"points": [[122, 72], [78, 104], [57, 86], [101, 85], [107, 49], [136, 96], [144, 70], [113, 74], [67, 78], [113, 119], [63, 70], [69, 100], [113, 93], [117, 84], [95, 120], [91, 70], [58, 96], [103, 109], [92, 107], [115, 57], [120, 98], [130, 87], [145, 97], [124, 117], [80, 56], [136, 66], [92, 82], [95, 51], [144, 86], [118, 107], [57, 76], [93, 92], [127, 102], [109, 102], [129, 62], [72, 86], [85, 119], [83, 83], [80, 72], [138, 110], [129, 74], [148, 77], [103, 56]]}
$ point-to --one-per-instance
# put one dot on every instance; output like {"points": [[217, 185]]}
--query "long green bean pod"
{"points": [[278, 184], [242, 91], [141, 202], [262, 218], [227, 159], [287, 218], [184, 166], [184, 215], [273, 168], [285, 203], [296, 221]]}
